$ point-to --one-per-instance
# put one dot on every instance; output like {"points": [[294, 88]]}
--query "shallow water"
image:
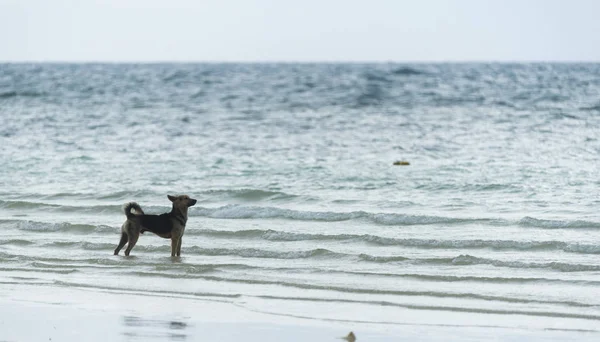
{"points": [[301, 211]]}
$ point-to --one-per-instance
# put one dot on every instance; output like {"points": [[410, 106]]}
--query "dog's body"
{"points": [[170, 225]]}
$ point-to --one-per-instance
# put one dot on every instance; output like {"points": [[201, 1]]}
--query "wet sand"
{"points": [[44, 313]]}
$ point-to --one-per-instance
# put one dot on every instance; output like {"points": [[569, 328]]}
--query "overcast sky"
{"points": [[301, 30]]}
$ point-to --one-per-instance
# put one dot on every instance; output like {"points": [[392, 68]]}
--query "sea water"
{"points": [[301, 211]]}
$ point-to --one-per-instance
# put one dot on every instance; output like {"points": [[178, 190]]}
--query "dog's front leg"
{"points": [[174, 243], [179, 246]]}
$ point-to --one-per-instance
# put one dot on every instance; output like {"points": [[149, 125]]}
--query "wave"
{"points": [[55, 271], [186, 270], [26, 205], [259, 253], [118, 195], [434, 294], [34, 226], [251, 212], [534, 313], [468, 260], [249, 194], [170, 293], [272, 235], [556, 224], [12, 93], [406, 71], [16, 242], [108, 261], [8, 94], [115, 209], [470, 279], [381, 259], [490, 187], [343, 289], [372, 291], [190, 271], [93, 246], [174, 76], [248, 252], [376, 77], [127, 195], [235, 211], [461, 260], [591, 108], [245, 194], [196, 250]]}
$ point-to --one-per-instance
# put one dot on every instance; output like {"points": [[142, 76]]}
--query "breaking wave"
{"points": [[272, 235], [464, 260]]}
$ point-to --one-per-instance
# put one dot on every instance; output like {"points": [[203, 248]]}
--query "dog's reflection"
{"points": [[153, 329]]}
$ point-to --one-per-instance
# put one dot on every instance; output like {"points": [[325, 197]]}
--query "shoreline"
{"points": [[49, 313]]}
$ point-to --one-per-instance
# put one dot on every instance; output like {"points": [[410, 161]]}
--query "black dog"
{"points": [[168, 225]]}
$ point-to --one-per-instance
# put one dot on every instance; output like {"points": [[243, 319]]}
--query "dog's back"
{"points": [[161, 225]]}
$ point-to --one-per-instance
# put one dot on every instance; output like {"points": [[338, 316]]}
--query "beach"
{"points": [[90, 315], [417, 202]]}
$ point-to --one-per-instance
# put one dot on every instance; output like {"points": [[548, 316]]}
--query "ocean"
{"points": [[301, 211]]}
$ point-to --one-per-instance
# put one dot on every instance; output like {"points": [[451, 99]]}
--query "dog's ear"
{"points": [[172, 198]]}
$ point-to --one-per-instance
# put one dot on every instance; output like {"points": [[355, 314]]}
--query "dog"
{"points": [[169, 225]]}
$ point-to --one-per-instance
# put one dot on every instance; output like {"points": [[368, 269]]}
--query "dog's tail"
{"points": [[132, 205]]}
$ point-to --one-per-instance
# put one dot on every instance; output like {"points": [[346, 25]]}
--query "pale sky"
{"points": [[301, 30]]}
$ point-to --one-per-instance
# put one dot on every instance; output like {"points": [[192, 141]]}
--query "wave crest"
{"points": [[251, 212], [556, 224], [463, 260], [273, 235]]}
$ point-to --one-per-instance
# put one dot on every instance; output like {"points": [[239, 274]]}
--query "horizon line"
{"points": [[482, 61]]}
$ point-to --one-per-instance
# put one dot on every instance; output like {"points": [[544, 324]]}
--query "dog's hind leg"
{"points": [[132, 241], [121, 243]]}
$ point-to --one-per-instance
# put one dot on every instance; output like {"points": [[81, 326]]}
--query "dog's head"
{"points": [[182, 201]]}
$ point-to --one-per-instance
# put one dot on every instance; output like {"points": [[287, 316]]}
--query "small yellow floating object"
{"points": [[401, 162], [350, 337]]}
